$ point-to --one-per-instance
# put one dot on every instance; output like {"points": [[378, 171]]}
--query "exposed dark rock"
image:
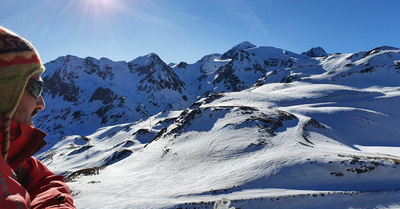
{"points": [[315, 52], [117, 156], [240, 47], [56, 86], [105, 95], [182, 65]]}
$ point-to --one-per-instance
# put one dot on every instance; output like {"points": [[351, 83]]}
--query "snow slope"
{"points": [[306, 133]]}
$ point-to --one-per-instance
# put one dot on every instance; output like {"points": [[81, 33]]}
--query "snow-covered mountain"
{"points": [[85, 94], [261, 126], [248, 66]]}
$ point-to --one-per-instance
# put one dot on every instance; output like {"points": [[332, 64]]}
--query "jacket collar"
{"points": [[25, 141]]}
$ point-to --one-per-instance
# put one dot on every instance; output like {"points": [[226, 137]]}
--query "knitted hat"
{"points": [[19, 60]]}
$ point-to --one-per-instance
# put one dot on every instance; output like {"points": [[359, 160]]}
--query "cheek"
{"points": [[19, 114], [26, 105]]}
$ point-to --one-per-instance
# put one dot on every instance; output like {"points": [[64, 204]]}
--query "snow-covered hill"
{"points": [[263, 127]]}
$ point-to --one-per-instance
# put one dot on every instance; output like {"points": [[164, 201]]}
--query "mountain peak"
{"points": [[240, 47], [150, 58], [315, 52], [210, 57], [154, 56], [246, 44], [386, 48]]}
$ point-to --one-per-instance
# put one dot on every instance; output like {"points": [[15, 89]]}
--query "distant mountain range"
{"points": [[261, 126]]}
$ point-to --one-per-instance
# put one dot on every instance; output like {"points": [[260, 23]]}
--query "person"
{"points": [[24, 181]]}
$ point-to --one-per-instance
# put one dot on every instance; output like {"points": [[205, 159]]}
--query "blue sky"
{"points": [[186, 30]]}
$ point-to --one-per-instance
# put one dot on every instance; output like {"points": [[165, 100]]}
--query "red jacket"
{"points": [[24, 181]]}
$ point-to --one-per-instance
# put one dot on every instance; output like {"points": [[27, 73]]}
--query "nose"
{"points": [[40, 105]]}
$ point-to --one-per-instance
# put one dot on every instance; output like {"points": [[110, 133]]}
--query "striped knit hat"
{"points": [[19, 60]]}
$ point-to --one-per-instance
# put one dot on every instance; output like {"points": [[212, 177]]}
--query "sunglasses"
{"points": [[35, 87]]}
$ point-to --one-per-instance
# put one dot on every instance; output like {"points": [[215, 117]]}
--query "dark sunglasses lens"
{"points": [[35, 87]]}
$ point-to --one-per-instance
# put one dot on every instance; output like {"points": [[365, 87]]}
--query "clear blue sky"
{"points": [[186, 30]]}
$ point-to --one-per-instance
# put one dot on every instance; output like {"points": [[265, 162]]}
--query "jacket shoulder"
{"points": [[45, 188], [12, 194]]}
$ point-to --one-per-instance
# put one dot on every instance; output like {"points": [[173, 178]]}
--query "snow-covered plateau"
{"points": [[260, 126]]}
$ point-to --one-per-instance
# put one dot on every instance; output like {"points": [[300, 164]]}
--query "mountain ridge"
{"points": [[265, 124]]}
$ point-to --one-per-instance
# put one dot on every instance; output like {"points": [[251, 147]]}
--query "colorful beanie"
{"points": [[19, 60]]}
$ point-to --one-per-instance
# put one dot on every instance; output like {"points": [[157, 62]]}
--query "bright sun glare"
{"points": [[97, 19], [101, 8]]}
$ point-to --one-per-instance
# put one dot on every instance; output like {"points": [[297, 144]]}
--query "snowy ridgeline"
{"points": [[260, 126]]}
